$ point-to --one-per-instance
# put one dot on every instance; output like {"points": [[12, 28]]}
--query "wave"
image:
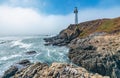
{"points": [[2, 42], [20, 44], [48, 53], [10, 57]]}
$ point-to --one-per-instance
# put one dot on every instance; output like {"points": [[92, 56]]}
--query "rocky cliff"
{"points": [[99, 54], [84, 29], [94, 45]]}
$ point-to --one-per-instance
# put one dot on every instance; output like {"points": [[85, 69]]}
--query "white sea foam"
{"points": [[48, 53], [20, 44], [18, 47], [10, 57]]}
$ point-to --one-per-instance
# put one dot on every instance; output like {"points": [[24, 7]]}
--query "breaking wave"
{"points": [[9, 57], [20, 44], [15, 50]]}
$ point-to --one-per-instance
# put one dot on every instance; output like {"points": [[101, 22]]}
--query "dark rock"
{"points": [[74, 35], [63, 38], [118, 51], [15, 68], [51, 73], [2, 42], [90, 48], [47, 44], [57, 75], [115, 73], [31, 52], [24, 62], [10, 72]]}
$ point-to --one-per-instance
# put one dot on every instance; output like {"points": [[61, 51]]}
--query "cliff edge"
{"points": [[94, 45]]}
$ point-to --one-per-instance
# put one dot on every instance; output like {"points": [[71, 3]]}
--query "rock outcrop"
{"points": [[15, 68], [64, 38], [10, 72], [99, 54], [56, 70], [83, 30], [94, 45], [31, 52]]}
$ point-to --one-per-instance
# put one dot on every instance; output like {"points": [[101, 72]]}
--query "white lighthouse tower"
{"points": [[76, 15]]}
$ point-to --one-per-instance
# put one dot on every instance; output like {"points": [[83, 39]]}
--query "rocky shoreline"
{"points": [[41, 70], [97, 53], [94, 48], [101, 55], [93, 45]]}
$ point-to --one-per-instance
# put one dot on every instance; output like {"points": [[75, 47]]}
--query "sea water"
{"points": [[14, 48]]}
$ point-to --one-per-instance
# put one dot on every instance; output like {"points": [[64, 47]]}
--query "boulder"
{"points": [[31, 52], [24, 62], [16, 68], [10, 72]]}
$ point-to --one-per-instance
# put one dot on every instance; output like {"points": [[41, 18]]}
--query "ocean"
{"points": [[14, 48]]}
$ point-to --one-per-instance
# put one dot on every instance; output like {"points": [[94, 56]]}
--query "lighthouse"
{"points": [[76, 15]]}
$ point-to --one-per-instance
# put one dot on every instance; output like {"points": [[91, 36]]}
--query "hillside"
{"points": [[84, 29], [100, 25], [93, 45]]}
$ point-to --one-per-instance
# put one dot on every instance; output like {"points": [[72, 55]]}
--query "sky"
{"points": [[34, 17]]}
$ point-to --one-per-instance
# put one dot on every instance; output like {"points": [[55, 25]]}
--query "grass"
{"points": [[107, 26]]}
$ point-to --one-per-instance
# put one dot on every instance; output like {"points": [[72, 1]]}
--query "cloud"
{"points": [[28, 21]]}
